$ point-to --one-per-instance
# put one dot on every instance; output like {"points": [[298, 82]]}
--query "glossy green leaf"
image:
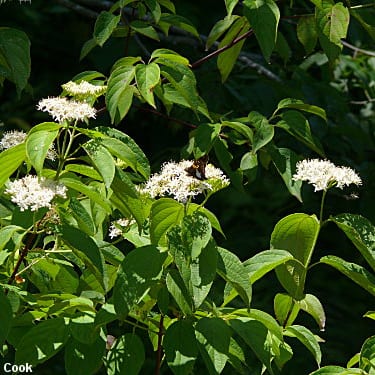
{"points": [[83, 359], [165, 213], [104, 27], [227, 59], [126, 198], [128, 151], [367, 355], [178, 290], [219, 29], [204, 137], [307, 338], [229, 5], [180, 22], [126, 356], [353, 271], [332, 23], [264, 131], [307, 33], [170, 55], [168, 5], [313, 306], [301, 106], [297, 125], [285, 161], [10, 160], [243, 129], [86, 249], [264, 262], [140, 269], [119, 92], [255, 335], [39, 141], [264, 16], [180, 347], [83, 218], [337, 370], [286, 309], [361, 232], [213, 337], [249, 165], [296, 233], [145, 29], [6, 317], [15, 62], [230, 268], [102, 160], [42, 341], [147, 77], [87, 190], [155, 10], [84, 170]]}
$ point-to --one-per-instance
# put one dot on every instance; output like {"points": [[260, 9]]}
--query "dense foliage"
{"points": [[122, 248]]}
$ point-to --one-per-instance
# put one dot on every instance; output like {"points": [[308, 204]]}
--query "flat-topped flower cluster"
{"points": [[323, 174], [173, 180]]}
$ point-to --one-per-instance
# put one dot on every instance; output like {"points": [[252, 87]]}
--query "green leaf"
{"points": [[297, 125], [210, 216], [353, 271], [285, 161], [102, 160], [178, 290], [219, 29], [10, 160], [230, 268], [125, 197], [182, 79], [301, 106], [86, 190], [286, 309], [264, 131], [313, 306], [83, 359], [105, 24], [180, 22], [155, 10], [361, 232], [337, 370], [119, 95], [264, 16], [213, 337], [86, 249], [204, 136], [307, 33], [140, 270], [84, 170], [87, 47], [128, 151], [42, 341], [255, 335], [306, 337], [227, 59], [83, 218], [332, 23], [39, 141], [145, 29], [180, 347], [249, 165], [170, 55], [126, 356], [229, 5], [282, 48], [367, 355], [147, 77], [15, 62], [264, 262], [296, 233], [241, 128], [6, 317], [165, 213], [168, 5]]}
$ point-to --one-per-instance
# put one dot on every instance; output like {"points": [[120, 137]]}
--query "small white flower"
{"points": [[83, 89], [16, 137], [33, 192], [173, 180], [63, 109], [118, 226], [323, 174]]}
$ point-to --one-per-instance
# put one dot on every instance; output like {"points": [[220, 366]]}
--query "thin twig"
{"points": [[356, 49], [159, 352]]}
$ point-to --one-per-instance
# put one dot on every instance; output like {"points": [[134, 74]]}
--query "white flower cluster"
{"points": [[173, 180], [16, 137], [33, 192], [63, 109], [118, 226], [323, 174], [83, 89]]}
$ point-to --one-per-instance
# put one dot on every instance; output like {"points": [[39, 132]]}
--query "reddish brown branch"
{"points": [[159, 352]]}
